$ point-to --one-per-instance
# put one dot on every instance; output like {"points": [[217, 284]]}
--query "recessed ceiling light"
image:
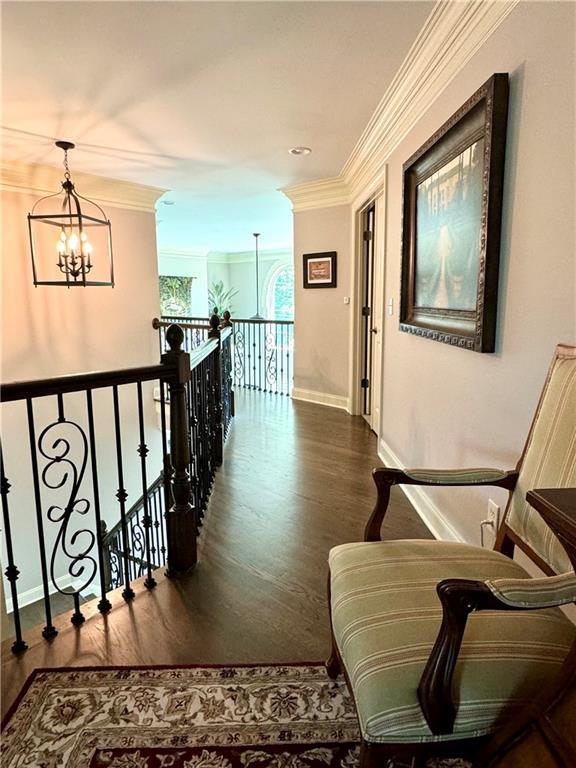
{"points": [[168, 202], [300, 151]]}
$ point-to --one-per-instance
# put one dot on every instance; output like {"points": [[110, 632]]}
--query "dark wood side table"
{"points": [[558, 508], [544, 735]]}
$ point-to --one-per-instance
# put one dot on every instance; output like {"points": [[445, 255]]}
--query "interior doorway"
{"points": [[370, 321]]}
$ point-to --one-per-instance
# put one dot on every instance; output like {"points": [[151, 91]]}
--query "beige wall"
{"points": [[322, 320], [445, 407], [49, 331]]}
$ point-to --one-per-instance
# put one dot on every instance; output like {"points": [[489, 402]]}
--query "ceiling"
{"points": [[201, 98]]}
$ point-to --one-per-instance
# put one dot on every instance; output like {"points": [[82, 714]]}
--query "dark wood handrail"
{"points": [[157, 323], [188, 319], [74, 382], [202, 352]]}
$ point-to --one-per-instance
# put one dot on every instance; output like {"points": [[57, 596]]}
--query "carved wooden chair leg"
{"points": [[333, 665], [378, 756]]}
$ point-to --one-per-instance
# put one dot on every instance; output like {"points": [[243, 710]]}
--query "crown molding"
{"points": [[181, 253], [245, 257], [452, 34], [326, 193], [36, 179]]}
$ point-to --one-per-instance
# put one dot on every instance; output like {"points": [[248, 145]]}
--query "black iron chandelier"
{"points": [[72, 246]]}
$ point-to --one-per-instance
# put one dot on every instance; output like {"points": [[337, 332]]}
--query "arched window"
{"points": [[280, 294]]}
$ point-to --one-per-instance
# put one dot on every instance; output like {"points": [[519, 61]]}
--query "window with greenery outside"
{"points": [[280, 299]]}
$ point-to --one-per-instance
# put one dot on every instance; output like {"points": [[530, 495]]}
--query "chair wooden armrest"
{"points": [[459, 597], [385, 478]]}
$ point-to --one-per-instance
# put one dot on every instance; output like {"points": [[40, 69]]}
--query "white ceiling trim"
{"points": [[326, 193], [249, 257], [36, 179], [182, 253], [452, 34]]}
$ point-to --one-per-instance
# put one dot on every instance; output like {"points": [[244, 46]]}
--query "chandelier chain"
{"points": [[66, 168]]}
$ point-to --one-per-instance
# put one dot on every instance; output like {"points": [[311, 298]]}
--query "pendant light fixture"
{"points": [[73, 245], [257, 316]]}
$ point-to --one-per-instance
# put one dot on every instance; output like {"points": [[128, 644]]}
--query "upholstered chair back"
{"points": [[549, 459]]}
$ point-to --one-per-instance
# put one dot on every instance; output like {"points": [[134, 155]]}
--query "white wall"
{"points": [[447, 407], [50, 331], [322, 320]]}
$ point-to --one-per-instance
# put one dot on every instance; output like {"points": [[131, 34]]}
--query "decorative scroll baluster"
{"points": [[11, 571], [281, 329], [49, 630], [180, 518], [128, 593], [64, 471]]}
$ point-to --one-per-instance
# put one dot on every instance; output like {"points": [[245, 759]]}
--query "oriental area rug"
{"points": [[278, 716]]}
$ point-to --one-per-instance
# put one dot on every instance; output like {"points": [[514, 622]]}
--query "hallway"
{"points": [[295, 482]]}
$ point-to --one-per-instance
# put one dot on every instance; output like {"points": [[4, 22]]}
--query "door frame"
{"points": [[378, 199]]}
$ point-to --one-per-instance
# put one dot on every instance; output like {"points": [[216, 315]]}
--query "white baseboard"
{"points": [[36, 593], [431, 516], [321, 398]]}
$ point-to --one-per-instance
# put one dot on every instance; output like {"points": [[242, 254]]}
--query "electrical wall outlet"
{"points": [[494, 514]]}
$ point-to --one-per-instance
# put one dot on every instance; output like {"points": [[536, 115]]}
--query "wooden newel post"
{"points": [[217, 428], [181, 517]]}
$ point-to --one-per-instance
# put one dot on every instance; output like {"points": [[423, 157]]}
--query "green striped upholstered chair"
{"points": [[442, 642]]}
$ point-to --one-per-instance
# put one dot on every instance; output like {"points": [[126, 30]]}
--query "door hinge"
{"points": [[364, 383], [367, 235], [366, 311]]}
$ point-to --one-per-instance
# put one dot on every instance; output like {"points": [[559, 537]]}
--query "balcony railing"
{"points": [[92, 443], [263, 354]]}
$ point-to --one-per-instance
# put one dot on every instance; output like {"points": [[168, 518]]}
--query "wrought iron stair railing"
{"points": [[92, 444], [145, 518], [263, 355]]}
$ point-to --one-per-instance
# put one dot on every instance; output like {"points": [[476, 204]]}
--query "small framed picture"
{"points": [[320, 270]]}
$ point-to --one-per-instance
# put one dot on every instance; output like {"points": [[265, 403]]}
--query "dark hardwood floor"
{"points": [[296, 481]]}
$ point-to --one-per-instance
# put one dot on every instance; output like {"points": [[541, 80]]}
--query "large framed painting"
{"points": [[319, 270], [452, 211], [175, 295]]}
